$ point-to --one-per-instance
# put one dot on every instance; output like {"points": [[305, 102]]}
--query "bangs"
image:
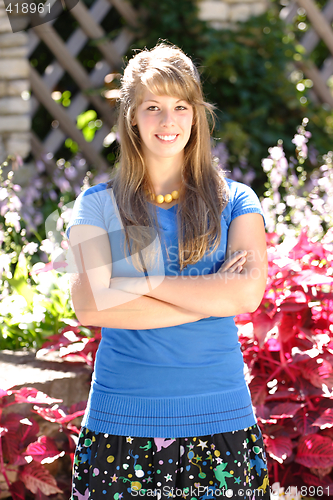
{"points": [[168, 81]]}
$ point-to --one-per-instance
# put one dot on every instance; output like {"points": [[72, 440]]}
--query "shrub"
{"points": [[25, 454]]}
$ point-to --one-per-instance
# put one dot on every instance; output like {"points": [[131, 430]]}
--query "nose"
{"points": [[167, 118]]}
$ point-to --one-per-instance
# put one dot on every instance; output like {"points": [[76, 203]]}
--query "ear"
{"points": [[133, 121]]}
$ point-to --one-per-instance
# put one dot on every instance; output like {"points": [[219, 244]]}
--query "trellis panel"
{"points": [[321, 22], [65, 61]]}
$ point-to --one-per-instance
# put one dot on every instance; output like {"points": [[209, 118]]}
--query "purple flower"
{"points": [[70, 172], [63, 184], [15, 203], [40, 166]]}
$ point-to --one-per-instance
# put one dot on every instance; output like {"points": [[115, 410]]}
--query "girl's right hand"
{"points": [[235, 263]]}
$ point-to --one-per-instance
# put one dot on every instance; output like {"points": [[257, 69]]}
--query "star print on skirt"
{"points": [[230, 464]]}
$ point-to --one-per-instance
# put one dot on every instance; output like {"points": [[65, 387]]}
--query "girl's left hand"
{"points": [[235, 263]]}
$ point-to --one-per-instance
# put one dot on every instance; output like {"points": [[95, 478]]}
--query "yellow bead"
{"points": [[175, 195], [168, 198], [159, 198]]}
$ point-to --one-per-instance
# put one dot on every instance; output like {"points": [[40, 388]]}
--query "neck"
{"points": [[165, 176]]}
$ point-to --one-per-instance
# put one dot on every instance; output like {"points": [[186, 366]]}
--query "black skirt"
{"points": [[230, 464]]}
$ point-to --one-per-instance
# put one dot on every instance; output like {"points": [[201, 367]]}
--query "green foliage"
{"points": [[33, 312], [174, 21], [34, 299], [88, 123]]}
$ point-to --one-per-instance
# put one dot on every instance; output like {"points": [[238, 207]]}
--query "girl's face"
{"points": [[164, 125]]}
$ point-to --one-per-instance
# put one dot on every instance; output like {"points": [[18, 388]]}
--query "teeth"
{"points": [[167, 137]]}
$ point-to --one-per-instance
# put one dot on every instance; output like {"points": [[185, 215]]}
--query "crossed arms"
{"points": [[134, 303]]}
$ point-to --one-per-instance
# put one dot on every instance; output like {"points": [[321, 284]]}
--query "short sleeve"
{"points": [[89, 208], [244, 201]]}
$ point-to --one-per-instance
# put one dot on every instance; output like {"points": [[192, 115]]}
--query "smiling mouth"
{"points": [[167, 138]]}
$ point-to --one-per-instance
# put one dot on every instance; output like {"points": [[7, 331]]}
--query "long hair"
{"points": [[166, 70]]}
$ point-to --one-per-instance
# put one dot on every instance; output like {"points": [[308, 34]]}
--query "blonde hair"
{"points": [[166, 70]]}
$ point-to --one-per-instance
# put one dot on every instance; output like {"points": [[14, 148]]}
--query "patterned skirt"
{"points": [[230, 464]]}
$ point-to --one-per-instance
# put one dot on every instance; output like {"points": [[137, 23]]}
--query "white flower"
{"points": [[299, 140], [13, 218], [30, 248], [290, 200], [276, 152], [3, 194], [267, 164], [14, 305], [280, 208], [48, 246], [5, 260]]}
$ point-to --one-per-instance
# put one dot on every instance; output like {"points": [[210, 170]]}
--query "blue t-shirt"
{"points": [[180, 381]]}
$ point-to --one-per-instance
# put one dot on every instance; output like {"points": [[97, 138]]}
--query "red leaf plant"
{"points": [[71, 343], [287, 345], [24, 453]]}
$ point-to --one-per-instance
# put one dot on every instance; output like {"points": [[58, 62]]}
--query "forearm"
{"points": [[135, 312], [219, 294]]}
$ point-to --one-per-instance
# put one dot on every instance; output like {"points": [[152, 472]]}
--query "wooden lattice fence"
{"points": [[89, 21], [65, 60], [321, 29]]}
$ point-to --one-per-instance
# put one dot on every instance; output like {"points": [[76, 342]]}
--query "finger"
{"points": [[240, 261], [241, 254]]}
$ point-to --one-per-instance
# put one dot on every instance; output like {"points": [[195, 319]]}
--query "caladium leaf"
{"points": [[288, 327], [17, 490], [285, 410], [258, 389], [309, 277], [43, 448], [31, 395], [77, 407], [304, 420], [67, 335], [318, 371], [325, 421], [273, 345], [41, 496], [36, 477], [3, 393], [279, 448], [315, 450], [324, 482], [262, 324], [304, 246], [58, 413], [19, 434]]}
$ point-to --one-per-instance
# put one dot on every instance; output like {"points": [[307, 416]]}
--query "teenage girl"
{"points": [[167, 253]]}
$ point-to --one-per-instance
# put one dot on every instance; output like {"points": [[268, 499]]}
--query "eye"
{"points": [[152, 108], [182, 108]]}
